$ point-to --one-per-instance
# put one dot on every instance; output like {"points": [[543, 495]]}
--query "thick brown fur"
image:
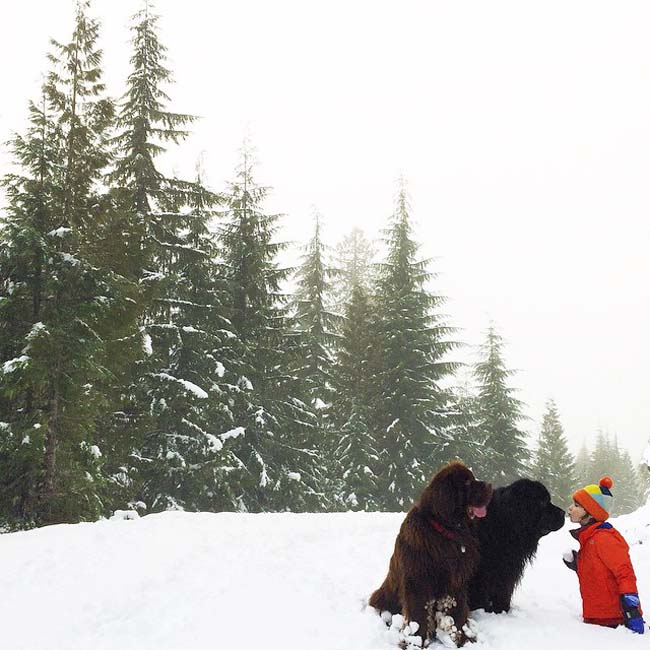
{"points": [[427, 564]]}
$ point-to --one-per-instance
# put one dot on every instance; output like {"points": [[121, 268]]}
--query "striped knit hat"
{"points": [[596, 499]]}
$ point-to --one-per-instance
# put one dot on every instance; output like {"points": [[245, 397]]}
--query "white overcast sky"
{"points": [[523, 129]]}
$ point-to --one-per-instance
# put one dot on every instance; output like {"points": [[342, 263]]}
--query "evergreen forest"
{"points": [[155, 354]]}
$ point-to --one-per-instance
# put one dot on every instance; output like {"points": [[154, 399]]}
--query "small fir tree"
{"points": [[316, 324], [355, 459], [353, 256], [499, 416], [464, 441], [583, 468], [356, 456], [553, 463]]}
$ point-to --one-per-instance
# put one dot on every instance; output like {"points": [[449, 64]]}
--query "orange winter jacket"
{"points": [[604, 571]]}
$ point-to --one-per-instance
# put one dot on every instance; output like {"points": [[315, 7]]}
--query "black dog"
{"points": [[518, 516]]}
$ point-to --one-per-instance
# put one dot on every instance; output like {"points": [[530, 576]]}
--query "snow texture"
{"points": [[59, 232], [146, 344], [233, 433], [12, 364], [183, 581], [213, 442]]}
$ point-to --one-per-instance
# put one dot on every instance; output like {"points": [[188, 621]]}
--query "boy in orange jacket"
{"points": [[607, 582]]}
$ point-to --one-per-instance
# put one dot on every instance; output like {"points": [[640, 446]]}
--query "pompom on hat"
{"points": [[596, 499]]}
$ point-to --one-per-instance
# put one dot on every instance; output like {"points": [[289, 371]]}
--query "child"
{"points": [[607, 581]]}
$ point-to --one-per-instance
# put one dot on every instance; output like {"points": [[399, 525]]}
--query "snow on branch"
{"points": [[187, 385]]}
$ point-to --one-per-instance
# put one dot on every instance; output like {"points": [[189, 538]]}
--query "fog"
{"points": [[523, 130]]}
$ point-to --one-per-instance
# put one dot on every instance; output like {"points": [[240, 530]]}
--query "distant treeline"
{"points": [[149, 354]]}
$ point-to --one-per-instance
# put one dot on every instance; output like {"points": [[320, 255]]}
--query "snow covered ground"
{"points": [[265, 582]]}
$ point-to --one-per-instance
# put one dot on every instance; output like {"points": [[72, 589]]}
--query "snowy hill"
{"points": [[177, 581]]}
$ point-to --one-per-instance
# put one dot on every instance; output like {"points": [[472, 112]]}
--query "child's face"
{"points": [[576, 513]]}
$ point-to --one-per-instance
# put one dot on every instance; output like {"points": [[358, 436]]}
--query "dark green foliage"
{"points": [[315, 324], [315, 339], [149, 352], [60, 299], [410, 408], [499, 415], [187, 379], [280, 466], [178, 403], [355, 460], [464, 440], [553, 463], [145, 125]]}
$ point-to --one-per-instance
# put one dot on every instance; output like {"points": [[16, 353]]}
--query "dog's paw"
{"points": [[471, 629], [397, 622], [445, 603], [444, 623], [401, 633], [413, 627]]}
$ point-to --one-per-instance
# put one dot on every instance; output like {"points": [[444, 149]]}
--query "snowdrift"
{"points": [[178, 581]]}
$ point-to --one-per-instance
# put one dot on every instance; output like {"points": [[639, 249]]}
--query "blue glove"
{"points": [[633, 619]]}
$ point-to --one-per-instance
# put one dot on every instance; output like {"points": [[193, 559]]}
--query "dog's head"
{"points": [[530, 502], [455, 496]]}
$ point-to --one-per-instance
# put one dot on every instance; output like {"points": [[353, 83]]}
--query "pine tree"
{"points": [[409, 414], [352, 378], [145, 125], [608, 459], [354, 263], [643, 472], [464, 441], [499, 415], [601, 459], [174, 456], [190, 376], [553, 463], [629, 492], [280, 468], [315, 341], [355, 457], [316, 324], [25, 268], [583, 467], [59, 303]]}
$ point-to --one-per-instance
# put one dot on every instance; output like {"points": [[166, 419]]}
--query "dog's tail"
{"points": [[385, 598]]}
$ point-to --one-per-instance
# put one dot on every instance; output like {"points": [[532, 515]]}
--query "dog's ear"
{"points": [[446, 494]]}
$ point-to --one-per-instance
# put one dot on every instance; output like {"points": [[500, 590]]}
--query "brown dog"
{"points": [[436, 554]]}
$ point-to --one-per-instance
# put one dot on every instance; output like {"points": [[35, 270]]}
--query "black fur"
{"points": [[518, 516]]}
